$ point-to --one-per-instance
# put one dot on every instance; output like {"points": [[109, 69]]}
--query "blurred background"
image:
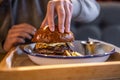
{"points": [[106, 27]]}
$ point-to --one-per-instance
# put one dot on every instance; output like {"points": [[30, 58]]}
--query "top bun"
{"points": [[44, 35]]}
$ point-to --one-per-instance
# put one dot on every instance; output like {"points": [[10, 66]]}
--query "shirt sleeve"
{"points": [[85, 10]]}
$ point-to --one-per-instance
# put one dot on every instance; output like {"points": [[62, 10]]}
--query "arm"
{"points": [[85, 10]]}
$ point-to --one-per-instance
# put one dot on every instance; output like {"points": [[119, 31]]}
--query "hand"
{"points": [[61, 8], [17, 35]]}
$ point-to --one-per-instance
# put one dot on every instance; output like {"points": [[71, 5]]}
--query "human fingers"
{"points": [[11, 42], [61, 16], [17, 40], [21, 34], [17, 34], [24, 28], [50, 15], [68, 9]]}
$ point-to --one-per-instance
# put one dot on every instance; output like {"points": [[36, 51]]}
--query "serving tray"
{"points": [[17, 66]]}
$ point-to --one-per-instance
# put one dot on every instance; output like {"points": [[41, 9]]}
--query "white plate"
{"points": [[102, 54]]}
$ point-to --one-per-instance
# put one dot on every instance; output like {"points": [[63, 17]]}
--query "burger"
{"points": [[52, 43]]}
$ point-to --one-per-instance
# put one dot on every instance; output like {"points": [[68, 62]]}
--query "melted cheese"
{"points": [[45, 45]]}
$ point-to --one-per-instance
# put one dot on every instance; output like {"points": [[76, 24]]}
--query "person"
{"points": [[19, 19]]}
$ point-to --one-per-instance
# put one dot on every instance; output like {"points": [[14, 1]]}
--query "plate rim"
{"points": [[66, 57]]}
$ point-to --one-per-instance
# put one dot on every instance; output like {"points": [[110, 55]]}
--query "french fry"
{"points": [[67, 53], [77, 54]]}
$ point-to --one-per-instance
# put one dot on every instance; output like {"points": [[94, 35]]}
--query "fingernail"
{"points": [[30, 37], [62, 31], [35, 29], [23, 41], [68, 30], [33, 32], [52, 29]]}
